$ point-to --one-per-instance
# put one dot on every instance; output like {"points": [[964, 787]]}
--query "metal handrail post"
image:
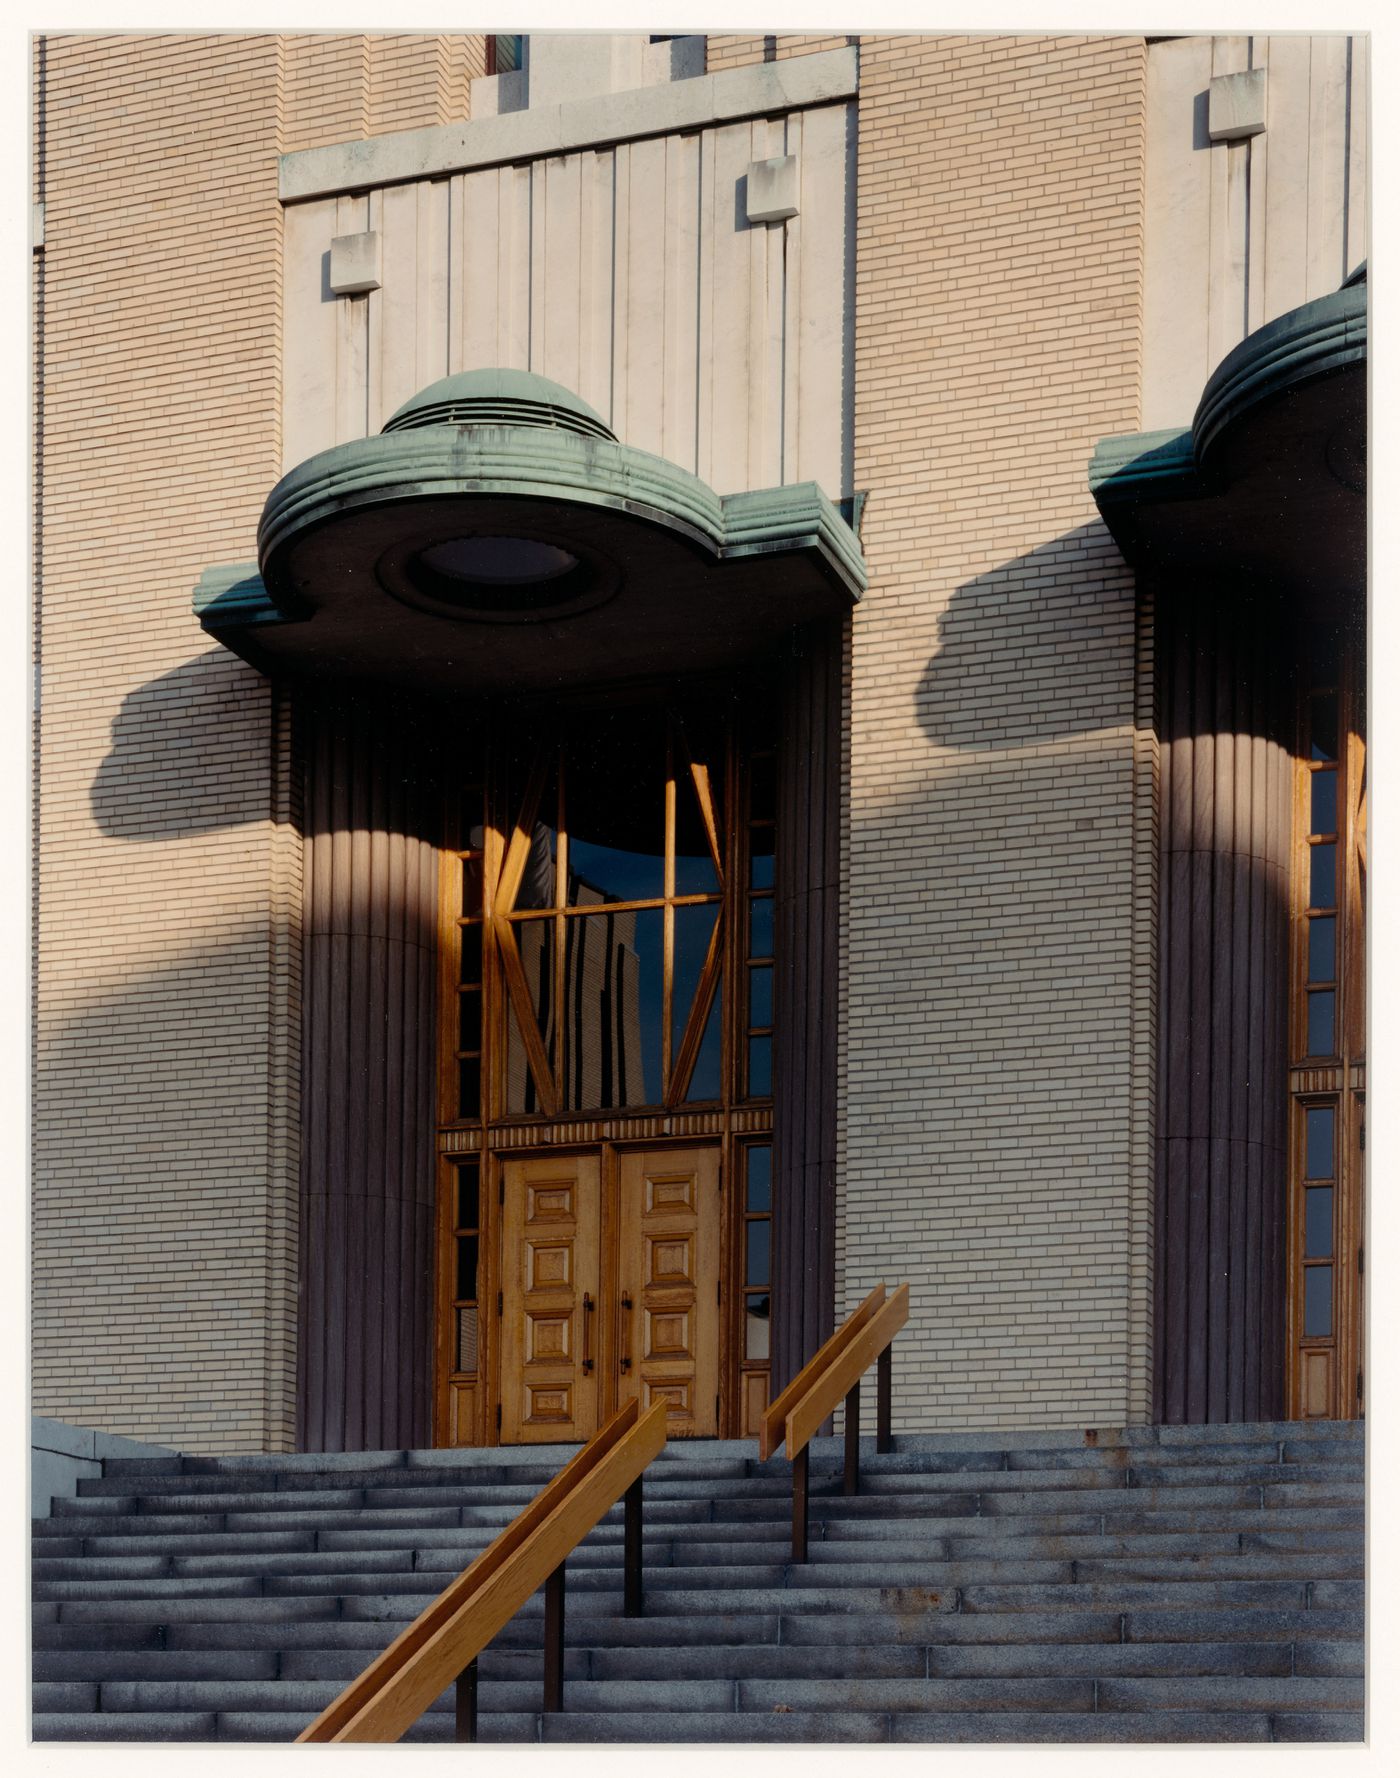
{"points": [[632, 1550], [466, 1703], [554, 1640], [799, 1506], [884, 1438], [850, 1477]]}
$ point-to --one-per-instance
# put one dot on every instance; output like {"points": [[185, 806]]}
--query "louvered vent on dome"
{"points": [[499, 398]]}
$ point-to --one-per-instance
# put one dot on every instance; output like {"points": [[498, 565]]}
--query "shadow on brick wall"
{"points": [[1040, 648], [173, 767]]}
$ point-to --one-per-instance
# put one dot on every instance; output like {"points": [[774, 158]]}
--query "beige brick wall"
{"points": [[342, 88], [738, 52], [998, 941], [168, 943]]}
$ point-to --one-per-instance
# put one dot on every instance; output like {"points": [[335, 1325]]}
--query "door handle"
{"points": [[587, 1327], [624, 1363]]}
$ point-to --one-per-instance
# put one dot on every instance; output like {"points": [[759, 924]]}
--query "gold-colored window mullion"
{"points": [[668, 919]]}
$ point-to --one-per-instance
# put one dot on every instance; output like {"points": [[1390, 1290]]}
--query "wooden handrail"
{"points": [[773, 1426], [441, 1644], [832, 1374]]}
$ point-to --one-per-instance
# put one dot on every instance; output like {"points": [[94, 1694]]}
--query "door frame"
{"points": [[466, 1412]]}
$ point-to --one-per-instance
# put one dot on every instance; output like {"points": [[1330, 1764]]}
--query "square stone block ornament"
{"points": [[356, 262], [1237, 105], [772, 189]]}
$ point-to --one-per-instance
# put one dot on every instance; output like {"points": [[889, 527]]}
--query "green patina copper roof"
{"points": [[668, 575], [499, 398]]}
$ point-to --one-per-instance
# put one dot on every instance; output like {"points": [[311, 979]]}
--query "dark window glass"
{"points": [[1322, 1012], [615, 807], [612, 1010], [1317, 1234], [761, 928], [695, 865], [1322, 948], [759, 1180], [757, 1236], [693, 930], [469, 1020], [468, 1196], [761, 788], [1317, 1301], [1324, 726], [1321, 1127], [761, 863], [705, 1080], [471, 888], [471, 953], [466, 1266], [1324, 802], [1322, 888], [469, 1087], [760, 1067], [761, 997]]}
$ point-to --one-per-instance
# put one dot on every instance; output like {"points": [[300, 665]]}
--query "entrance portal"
{"points": [[610, 1286]]}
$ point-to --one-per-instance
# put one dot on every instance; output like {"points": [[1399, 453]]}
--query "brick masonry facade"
{"points": [[997, 1016], [998, 896], [165, 1134]]}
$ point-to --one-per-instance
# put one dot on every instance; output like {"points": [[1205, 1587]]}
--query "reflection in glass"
{"points": [[1324, 726], [1324, 803], [761, 927], [1322, 1011], [759, 1172], [756, 1322], [612, 1010], [1322, 886], [1321, 1124], [1317, 1233], [760, 1067], [537, 883], [535, 941], [1322, 948], [761, 997], [761, 863], [705, 1082], [466, 1339], [695, 865], [1317, 1302], [693, 930], [757, 1237]]}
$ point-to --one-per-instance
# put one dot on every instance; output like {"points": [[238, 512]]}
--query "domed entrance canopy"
{"points": [[1269, 480], [496, 535]]}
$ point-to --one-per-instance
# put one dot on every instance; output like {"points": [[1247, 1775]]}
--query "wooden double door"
{"points": [[610, 1289]]}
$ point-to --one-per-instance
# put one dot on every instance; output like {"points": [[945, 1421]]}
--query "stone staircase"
{"points": [[1153, 1584]]}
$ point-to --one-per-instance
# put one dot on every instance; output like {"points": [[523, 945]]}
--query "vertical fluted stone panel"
{"points": [[365, 1350], [804, 1058], [1222, 1173]]}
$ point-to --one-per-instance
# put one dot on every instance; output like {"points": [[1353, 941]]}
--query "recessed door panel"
{"points": [[668, 1277], [550, 1244]]}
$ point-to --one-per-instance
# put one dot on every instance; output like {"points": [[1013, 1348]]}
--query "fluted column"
{"points": [[365, 1346], [807, 886], [1222, 1173]]}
